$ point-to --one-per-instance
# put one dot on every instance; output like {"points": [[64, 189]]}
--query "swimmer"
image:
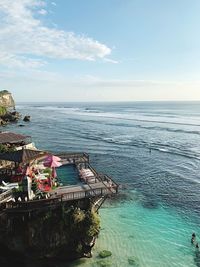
{"points": [[193, 238], [193, 235]]}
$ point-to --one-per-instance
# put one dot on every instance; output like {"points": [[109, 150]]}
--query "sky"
{"points": [[100, 50]]}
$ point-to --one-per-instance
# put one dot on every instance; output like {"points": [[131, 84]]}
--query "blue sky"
{"points": [[95, 50]]}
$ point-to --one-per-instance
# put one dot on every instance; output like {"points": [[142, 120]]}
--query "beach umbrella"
{"points": [[52, 161], [54, 174], [52, 164], [52, 158]]}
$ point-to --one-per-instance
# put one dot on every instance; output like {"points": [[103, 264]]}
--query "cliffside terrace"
{"points": [[75, 179]]}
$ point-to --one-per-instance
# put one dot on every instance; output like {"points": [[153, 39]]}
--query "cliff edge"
{"points": [[6, 99]]}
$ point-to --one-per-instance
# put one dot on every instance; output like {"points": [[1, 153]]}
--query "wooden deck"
{"points": [[61, 195], [103, 187]]}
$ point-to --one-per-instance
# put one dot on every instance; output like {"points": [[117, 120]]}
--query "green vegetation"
{"points": [[4, 92], [48, 170], [65, 232], [105, 253], [5, 148], [3, 111], [92, 222]]}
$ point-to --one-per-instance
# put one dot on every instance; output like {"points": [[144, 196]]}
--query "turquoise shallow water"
{"points": [[153, 237], [158, 207]]}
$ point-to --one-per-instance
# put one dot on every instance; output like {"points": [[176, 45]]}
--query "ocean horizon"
{"points": [[152, 149]]}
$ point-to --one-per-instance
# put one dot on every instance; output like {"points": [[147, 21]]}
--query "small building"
{"points": [[17, 141]]}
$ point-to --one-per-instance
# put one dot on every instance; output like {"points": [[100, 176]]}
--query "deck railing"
{"points": [[5, 195], [104, 178], [52, 202], [73, 155]]}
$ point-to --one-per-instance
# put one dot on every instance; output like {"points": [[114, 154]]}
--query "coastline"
{"points": [[154, 185]]}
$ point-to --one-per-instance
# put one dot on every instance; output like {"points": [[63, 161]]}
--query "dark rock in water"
{"points": [[103, 263], [21, 125], [105, 253], [27, 118], [11, 117], [2, 122], [150, 202], [131, 236], [133, 261], [150, 205]]}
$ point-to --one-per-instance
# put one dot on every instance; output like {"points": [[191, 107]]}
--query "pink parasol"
{"points": [[52, 164], [52, 158], [52, 161], [54, 174]]}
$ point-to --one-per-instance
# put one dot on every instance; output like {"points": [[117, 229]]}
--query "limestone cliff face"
{"points": [[6, 99]]}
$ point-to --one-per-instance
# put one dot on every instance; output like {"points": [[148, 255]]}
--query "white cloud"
{"points": [[24, 38], [42, 11], [111, 60], [53, 4]]}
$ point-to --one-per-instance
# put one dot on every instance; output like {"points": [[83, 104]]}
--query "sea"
{"points": [[152, 149]]}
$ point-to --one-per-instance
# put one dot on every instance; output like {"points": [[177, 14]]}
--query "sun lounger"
{"points": [[4, 183]]}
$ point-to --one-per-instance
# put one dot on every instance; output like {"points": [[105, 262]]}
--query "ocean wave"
{"points": [[128, 125], [163, 119], [152, 146]]}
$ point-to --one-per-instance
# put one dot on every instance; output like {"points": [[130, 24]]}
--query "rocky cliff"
{"points": [[6, 99], [66, 233], [7, 115]]}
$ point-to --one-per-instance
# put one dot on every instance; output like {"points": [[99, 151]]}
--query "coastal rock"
{"points": [[11, 117], [133, 261], [27, 118], [7, 104], [64, 233], [105, 253], [6, 99]]}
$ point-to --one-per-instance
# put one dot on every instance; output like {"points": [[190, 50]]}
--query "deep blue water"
{"points": [[151, 148]]}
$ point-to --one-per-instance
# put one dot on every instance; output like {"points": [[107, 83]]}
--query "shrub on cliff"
{"points": [[4, 92], [4, 148], [92, 223], [3, 111]]}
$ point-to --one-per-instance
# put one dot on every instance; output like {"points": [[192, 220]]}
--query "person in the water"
{"points": [[193, 238], [197, 245]]}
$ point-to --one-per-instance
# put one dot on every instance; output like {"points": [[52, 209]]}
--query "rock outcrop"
{"points": [[27, 118], [8, 114], [6, 99], [66, 233]]}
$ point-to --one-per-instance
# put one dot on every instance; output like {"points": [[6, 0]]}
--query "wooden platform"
{"points": [[103, 187], [61, 195]]}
